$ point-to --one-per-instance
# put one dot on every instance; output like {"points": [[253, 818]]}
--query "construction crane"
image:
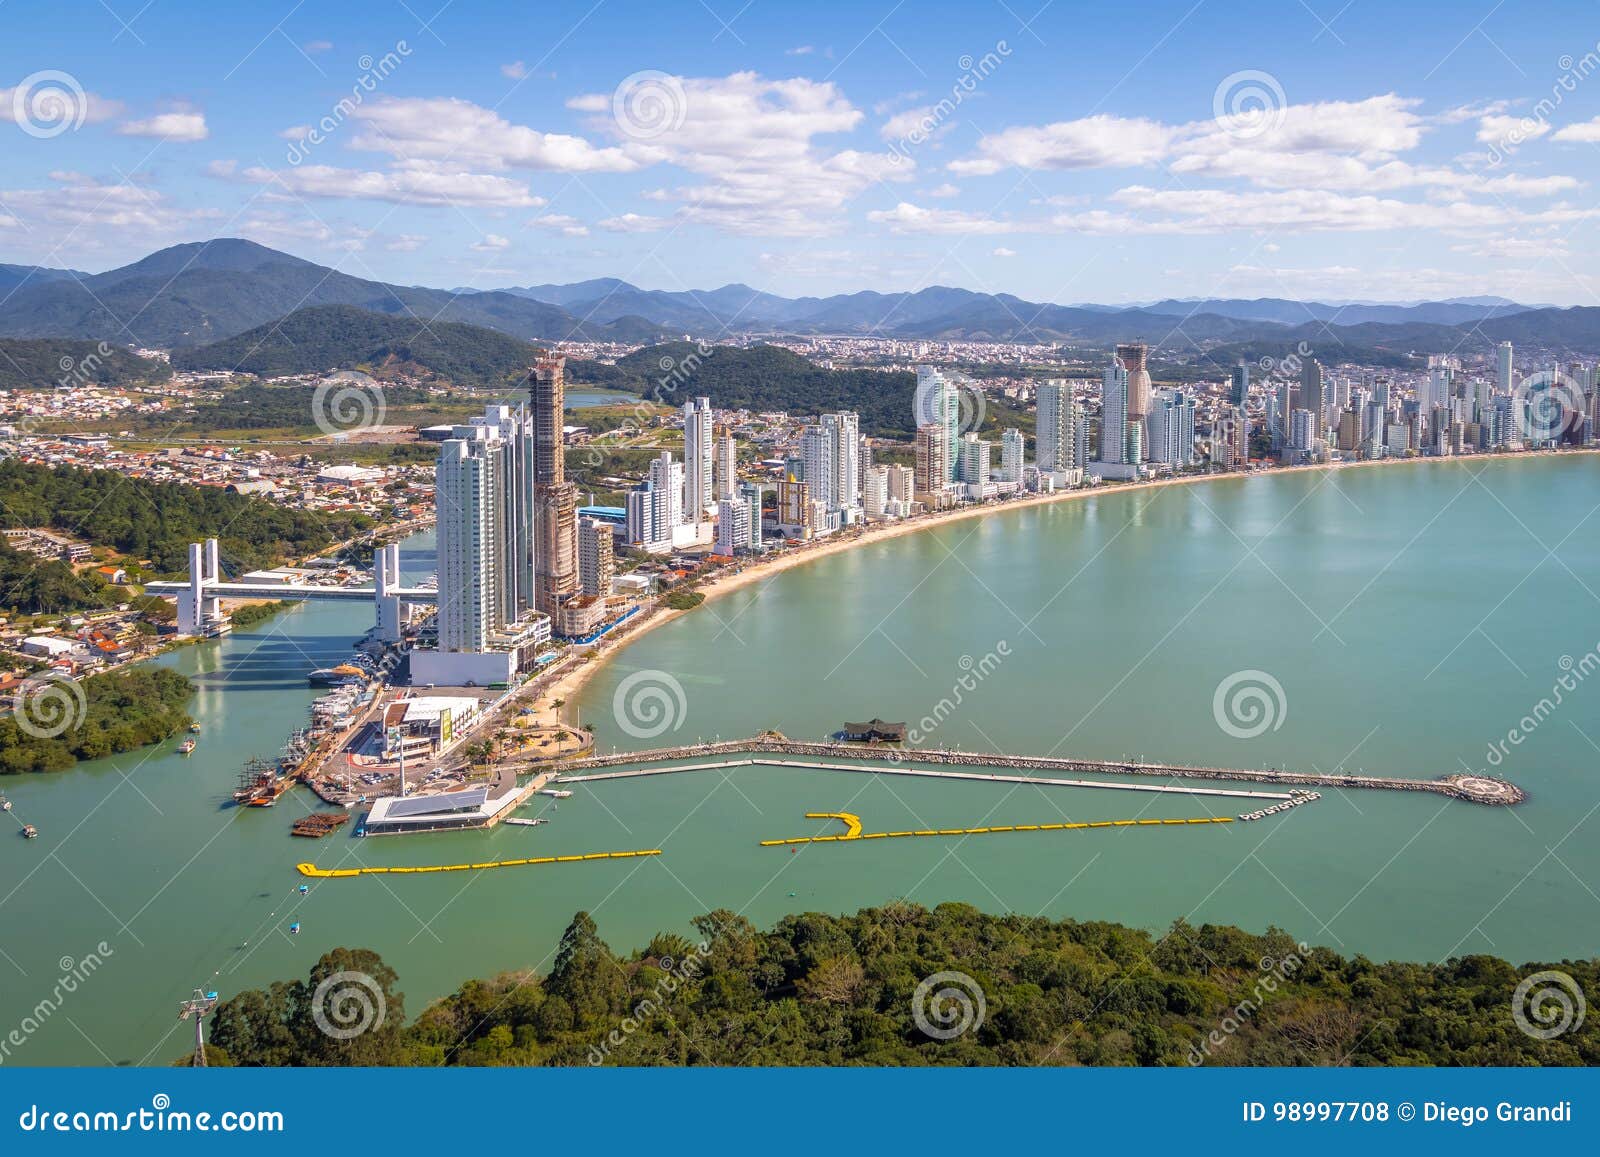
{"points": [[197, 1006]]}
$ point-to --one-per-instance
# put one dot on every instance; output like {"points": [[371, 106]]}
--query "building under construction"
{"points": [[555, 500]]}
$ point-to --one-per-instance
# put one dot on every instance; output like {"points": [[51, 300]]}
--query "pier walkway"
{"points": [[1472, 788]]}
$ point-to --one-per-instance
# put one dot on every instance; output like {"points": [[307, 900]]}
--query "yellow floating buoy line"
{"points": [[853, 823], [340, 873]]}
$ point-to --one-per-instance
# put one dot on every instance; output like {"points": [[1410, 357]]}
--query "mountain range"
{"points": [[201, 293]]}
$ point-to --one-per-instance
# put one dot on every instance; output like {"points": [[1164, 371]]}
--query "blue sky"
{"points": [[1067, 153]]}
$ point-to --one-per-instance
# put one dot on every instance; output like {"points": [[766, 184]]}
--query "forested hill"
{"points": [[44, 363], [843, 990], [761, 377], [158, 520], [341, 337]]}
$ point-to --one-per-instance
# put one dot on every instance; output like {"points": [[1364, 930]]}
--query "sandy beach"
{"points": [[572, 677]]}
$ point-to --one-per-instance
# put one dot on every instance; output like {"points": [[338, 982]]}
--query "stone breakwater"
{"points": [[1481, 789]]}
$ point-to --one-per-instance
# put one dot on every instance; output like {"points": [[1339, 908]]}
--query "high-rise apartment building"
{"points": [[486, 620], [596, 562], [555, 500], [1171, 427], [1012, 447], [724, 465], [1115, 418], [698, 435], [1056, 427], [933, 466]]}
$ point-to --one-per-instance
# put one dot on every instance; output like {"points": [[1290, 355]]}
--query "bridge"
{"points": [[200, 598]]}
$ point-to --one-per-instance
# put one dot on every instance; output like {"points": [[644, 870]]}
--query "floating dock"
{"points": [[854, 832], [344, 873]]}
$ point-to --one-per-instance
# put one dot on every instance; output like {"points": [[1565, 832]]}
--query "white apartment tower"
{"points": [[698, 435]]}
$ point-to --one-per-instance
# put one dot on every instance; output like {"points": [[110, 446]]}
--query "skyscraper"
{"points": [[1134, 357], [1011, 451], [555, 499], [698, 492], [1171, 428], [1115, 420], [596, 566], [724, 465], [831, 451], [938, 402], [932, 463], [1310, 394], [1239, 386], [1505, 374], [487, 627], [1056, 427]]}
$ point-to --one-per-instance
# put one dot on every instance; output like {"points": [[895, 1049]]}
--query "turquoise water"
{"points": [[1411, 616]]}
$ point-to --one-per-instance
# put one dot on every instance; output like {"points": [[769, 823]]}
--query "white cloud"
{"points": [[751, 141], [944, 190], [1499, 129], [317, 47], [95, 109], [516, 70], [1002, 252], [801, 50], [170, 126], [908, 218], [413, 185], [449, 129], [1584, 132], [560, 223], [635, 223], [1517, 248], [491, 243], [79, 202], [295, 133], [406, 243], [1090, 143]]}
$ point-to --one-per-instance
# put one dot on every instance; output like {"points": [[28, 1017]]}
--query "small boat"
{"points": [[29, 832], [304, 888], [5, 804], [294, 929], [186, 747], [194, 728]]}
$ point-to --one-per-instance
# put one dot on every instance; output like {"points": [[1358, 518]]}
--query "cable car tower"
{"points": [[197, 1006]]}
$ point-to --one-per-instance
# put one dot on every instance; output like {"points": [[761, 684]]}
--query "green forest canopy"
{"points": [[157, 520], [103, 715], [839, 990]]}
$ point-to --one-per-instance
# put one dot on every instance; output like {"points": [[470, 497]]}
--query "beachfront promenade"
{"points": [[808, 755]]}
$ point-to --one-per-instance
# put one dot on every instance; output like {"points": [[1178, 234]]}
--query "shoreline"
{"points": [[569, 682]]}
